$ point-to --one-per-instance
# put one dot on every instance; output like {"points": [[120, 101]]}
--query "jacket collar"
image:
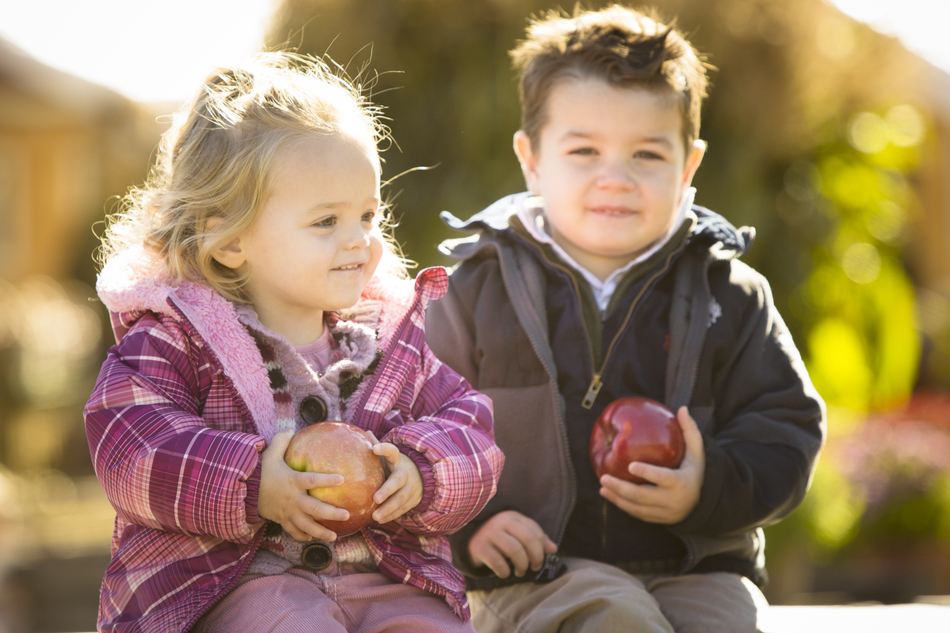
{"points": [[724, 240]]}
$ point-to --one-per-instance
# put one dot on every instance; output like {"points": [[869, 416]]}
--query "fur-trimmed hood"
{"points": [[134, 282]]}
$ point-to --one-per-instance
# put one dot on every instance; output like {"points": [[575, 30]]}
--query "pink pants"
{"points": [[299, 601]]}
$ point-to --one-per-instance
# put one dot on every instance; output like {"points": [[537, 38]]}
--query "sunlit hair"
{"points": [[217, 159], [623, 47]]}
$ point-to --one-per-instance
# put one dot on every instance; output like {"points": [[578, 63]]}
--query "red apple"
{"points": [[635, 430], [343, 449]]}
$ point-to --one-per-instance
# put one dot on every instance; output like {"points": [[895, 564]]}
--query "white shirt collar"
{"points": [[531, 214]]}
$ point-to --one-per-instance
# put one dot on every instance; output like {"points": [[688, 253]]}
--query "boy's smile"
{"points": [[612, 168]]}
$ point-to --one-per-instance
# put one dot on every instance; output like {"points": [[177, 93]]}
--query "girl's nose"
{"points": [[356, 238]]}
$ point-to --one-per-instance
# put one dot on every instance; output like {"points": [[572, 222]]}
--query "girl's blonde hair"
{"points": [[216, 160]]}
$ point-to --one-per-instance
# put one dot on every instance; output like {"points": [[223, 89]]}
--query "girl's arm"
{"points": [[167, 441], [450, 438]]}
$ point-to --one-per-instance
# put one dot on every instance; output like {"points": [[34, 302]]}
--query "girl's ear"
{"points": [[529, 162], [229, 255]]}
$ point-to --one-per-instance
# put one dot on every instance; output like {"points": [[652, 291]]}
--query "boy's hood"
{"points": [[724, 239]]}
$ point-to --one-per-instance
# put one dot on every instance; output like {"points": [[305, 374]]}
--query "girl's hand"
{"points": [[676, 490], [283, 495], [402, 490]]}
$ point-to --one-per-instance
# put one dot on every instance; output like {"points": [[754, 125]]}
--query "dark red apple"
{"points": [[635, 430], [343, 449]]}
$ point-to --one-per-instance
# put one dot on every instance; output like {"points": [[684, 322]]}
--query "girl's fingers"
{"points": [[388, 452], [317, 509], [278, 444], [308, 481]]}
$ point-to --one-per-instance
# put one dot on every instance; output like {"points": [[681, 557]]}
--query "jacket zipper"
{"points": [[595, 383]]}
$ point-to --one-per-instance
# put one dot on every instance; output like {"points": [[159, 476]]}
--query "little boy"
{"points": [[605, 281]]}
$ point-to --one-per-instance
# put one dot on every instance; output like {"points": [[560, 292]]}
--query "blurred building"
{"points": [[66, 146], [68, 150]]}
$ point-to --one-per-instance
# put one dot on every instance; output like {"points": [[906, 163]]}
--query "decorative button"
{"points": [[313, 409], [316, 556]]}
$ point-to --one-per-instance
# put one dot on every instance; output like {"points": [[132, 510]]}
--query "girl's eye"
{"points": [[325, 223], [369, 216]]}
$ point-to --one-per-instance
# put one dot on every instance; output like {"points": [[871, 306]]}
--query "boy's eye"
{"points": [[648, 155], [583, 151]]}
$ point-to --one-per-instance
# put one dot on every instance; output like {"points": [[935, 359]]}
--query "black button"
{"points": [[316, 556], [313, 409]]}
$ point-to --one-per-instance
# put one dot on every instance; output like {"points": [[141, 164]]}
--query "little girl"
{"points": [[252, 293]]}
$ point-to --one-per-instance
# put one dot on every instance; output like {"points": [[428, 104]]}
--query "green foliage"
{"points": [[858, 303]]}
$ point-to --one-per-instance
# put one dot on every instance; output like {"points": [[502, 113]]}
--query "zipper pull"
{"points": [[592, 392]]}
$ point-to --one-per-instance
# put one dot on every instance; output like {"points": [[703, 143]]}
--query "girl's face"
{"points": [[317, 241]]}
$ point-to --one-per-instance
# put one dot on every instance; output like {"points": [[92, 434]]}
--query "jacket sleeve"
{"points": [[157, 459], [767, 424], [450, 332], [451, 441]]}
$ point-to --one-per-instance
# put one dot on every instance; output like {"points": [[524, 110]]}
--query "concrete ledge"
{"points": [[870, 618]]}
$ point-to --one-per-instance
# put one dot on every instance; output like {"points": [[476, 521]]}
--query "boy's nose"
{"points": [[615, 175]]}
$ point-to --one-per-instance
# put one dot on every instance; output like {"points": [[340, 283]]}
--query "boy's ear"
{"points": [[693, 159], [229, 255], [529, 162]]}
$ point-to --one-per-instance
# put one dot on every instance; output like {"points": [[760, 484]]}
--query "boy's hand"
{"points": [[402, 490], [677, 490], [510, 541], [283, 495]]}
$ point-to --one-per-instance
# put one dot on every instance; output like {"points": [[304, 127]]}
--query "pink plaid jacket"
{"points": [[183, 407]]}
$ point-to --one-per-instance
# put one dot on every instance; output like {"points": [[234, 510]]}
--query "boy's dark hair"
{"points": [[625, 48]]}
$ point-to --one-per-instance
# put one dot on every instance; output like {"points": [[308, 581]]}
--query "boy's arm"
{"points": [[768, 427], [157, 460], [450, 334]]}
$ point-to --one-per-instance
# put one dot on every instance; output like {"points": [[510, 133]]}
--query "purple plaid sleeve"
{"points": [[163, 457], [434, 416], [452, 430]]}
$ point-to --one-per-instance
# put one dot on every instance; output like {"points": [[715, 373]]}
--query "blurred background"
{"points": [[829, 136]]}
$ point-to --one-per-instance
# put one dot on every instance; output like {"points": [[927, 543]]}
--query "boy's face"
{"points": [[611, 168]]}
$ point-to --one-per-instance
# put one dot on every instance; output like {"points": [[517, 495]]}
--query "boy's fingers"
{"points": [[531, 540], [692, 436], [517, 558], [494, 560]]}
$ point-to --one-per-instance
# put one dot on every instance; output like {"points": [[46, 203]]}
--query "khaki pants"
{"points": [[593, 596]]}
